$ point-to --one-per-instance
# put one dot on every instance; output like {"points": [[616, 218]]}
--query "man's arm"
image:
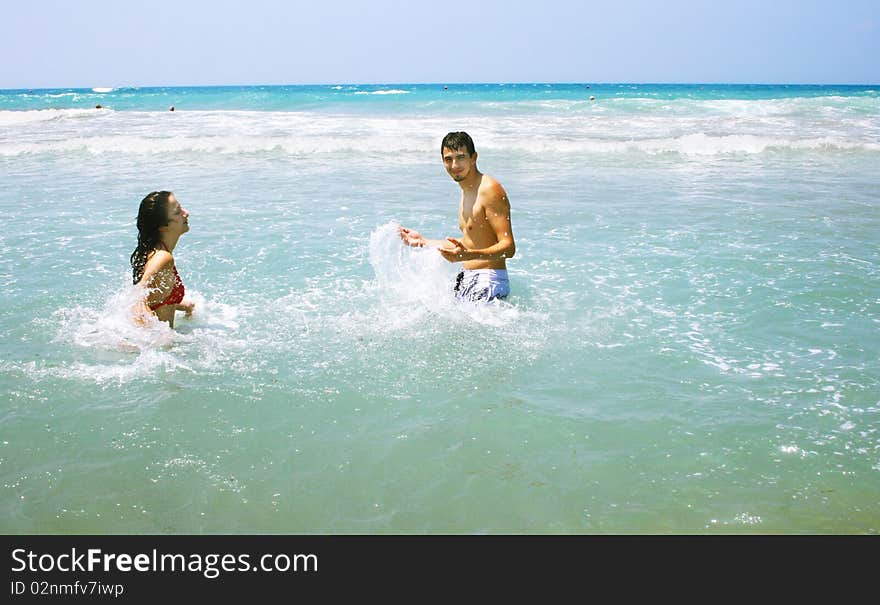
{"points": [[497, 209], [417, 240]]}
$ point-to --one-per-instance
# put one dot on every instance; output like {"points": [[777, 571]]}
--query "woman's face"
{"points": [[178, 218]]}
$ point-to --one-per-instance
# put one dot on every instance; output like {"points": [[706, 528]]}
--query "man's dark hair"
{"points": [[458, 140]]}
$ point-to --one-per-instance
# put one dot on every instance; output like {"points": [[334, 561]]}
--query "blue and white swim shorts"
{"points": [[482, 285]]}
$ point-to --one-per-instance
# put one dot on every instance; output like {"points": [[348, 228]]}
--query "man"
{"points": [[484, 219]]}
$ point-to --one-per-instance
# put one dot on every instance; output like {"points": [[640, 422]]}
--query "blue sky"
{"points": [[88, 43]]}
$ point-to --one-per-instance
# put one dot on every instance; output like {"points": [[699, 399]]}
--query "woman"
{"points": [[161, 221]]}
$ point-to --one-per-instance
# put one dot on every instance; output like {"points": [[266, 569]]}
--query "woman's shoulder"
{"points": [[159, 259]]}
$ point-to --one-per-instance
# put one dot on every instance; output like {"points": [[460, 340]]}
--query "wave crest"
{"points": [[697, 144]]}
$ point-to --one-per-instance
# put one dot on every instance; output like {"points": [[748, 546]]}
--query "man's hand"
{"points": [[411, 238], [453, 250]]}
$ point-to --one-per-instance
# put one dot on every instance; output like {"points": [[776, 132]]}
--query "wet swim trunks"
{"points": [[176, 294], [482, 285]]}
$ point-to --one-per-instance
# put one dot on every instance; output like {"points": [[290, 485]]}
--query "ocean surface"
{"points": [[692, 342]]}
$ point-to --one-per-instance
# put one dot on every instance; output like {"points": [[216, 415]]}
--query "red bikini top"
{"points": [[176, 294]]}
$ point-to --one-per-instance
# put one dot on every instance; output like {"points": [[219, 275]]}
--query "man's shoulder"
{"points": [[492, 192]]}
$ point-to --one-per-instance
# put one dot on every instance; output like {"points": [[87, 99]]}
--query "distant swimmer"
{"points": [[161, 221], [171, 108], [484, 219], [592, 98], [99, 106]]}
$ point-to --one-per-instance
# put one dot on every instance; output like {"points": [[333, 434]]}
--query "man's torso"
{"points": [[475, 228]]}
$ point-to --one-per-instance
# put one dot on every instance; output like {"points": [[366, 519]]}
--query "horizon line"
{"points": [[449, 83]]}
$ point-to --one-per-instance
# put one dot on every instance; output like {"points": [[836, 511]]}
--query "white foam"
{"points": [[112, 327], [690, 145], [139, 351], [147, 363], [209, 315], [297, 133], [136, 145], [697, 144], [383, 92], [12, 118]]}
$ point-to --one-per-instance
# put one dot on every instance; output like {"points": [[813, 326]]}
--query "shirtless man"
{"points": [[484, 219]]}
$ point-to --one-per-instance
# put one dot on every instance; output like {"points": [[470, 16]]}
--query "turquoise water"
{"points": [[691, 344]]}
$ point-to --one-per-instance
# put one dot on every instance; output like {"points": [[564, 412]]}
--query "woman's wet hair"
{"points": [[457, 141], [152, 214]]}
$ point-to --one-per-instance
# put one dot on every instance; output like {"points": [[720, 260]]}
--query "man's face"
{"points": [[458, 163]]}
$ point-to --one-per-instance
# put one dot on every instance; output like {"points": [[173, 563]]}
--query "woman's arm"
{"points": [[187, 306], [158, 277]]}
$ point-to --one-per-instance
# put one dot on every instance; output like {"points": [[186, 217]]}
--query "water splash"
{"points": [[413, 283], [112, 327], [406, 275]]}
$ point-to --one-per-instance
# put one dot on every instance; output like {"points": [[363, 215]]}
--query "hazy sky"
{"points": [[88, 43]]}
